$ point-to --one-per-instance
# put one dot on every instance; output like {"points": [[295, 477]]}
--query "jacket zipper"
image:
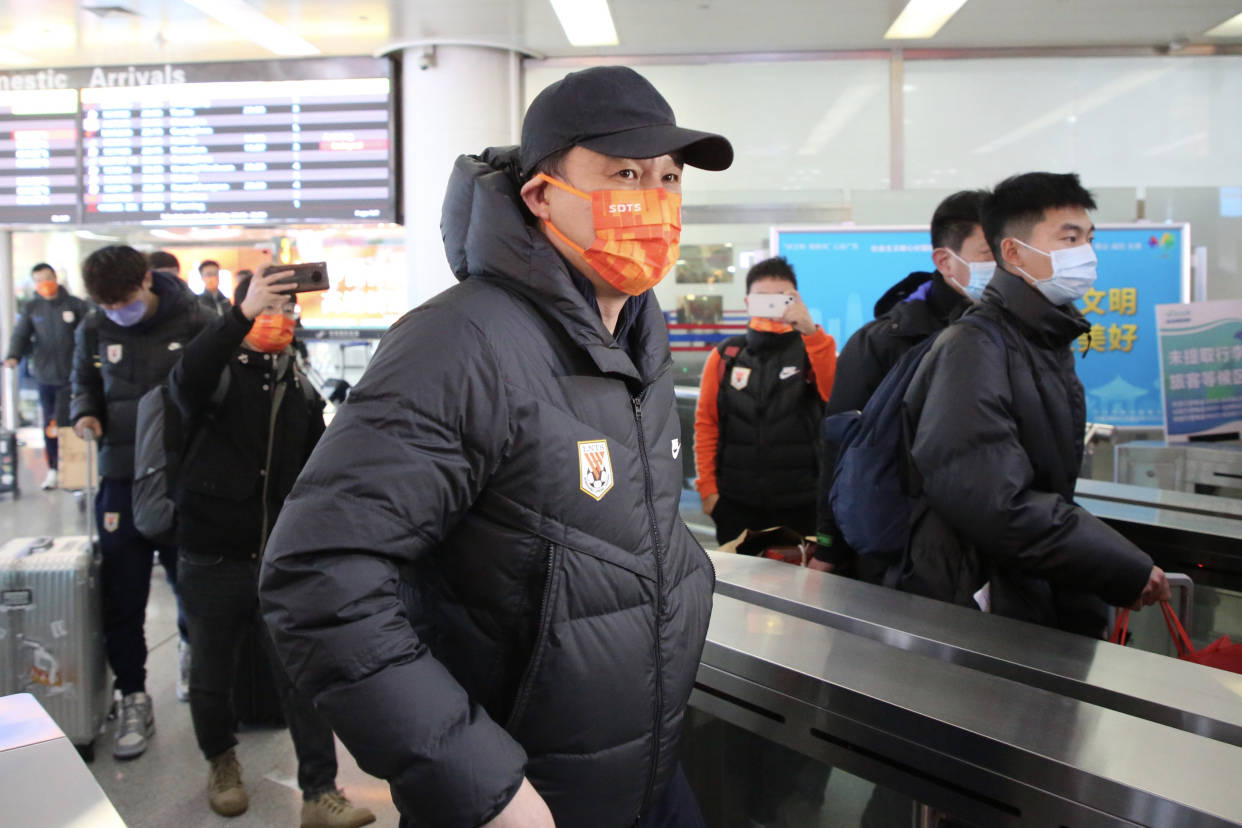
{"points": [[267, 466], [659, 662], [541, 635]]}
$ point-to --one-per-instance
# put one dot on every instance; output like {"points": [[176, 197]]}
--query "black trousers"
{"points": [[126, 580], [733, 517], [221, 598], [48, 396]]}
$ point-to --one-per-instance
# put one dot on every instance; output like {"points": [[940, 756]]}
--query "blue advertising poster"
{"points": [[843, 271], [1201, 360]]}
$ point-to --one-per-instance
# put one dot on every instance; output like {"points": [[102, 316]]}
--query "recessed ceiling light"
{"points": [[1230, 28], [586, 22], [249, 23], [922, 19]]}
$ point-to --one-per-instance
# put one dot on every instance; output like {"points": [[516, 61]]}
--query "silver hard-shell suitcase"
{"points": [[51, 631]]}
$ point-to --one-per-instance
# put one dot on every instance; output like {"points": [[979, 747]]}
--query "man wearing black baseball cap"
{"points": [[481, 576]]}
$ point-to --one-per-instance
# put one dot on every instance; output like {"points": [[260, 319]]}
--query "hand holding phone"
{"points": [[306, 276], [768, 305]]}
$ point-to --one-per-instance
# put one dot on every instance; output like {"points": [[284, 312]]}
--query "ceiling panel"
{"points": [[63, 32]]}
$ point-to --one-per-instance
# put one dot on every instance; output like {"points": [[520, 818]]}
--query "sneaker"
{"points": [[225, 792], [333, 810], [137, 725], [49, 482], [183, 677]]}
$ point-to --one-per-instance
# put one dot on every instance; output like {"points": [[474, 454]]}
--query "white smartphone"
{"points": [[768, 305]]}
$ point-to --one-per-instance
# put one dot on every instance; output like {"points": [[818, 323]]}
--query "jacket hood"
{"points": [[1048, 325], [900, 292], [489, 234]]}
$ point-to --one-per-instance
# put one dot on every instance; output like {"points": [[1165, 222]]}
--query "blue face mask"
{"points": [[129, 315], [980, 274]]}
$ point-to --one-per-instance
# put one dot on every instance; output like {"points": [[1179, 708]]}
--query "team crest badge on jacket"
{"points": [[114, 353], [594, 468], [111, 521], [739, 378], [68, 316]]}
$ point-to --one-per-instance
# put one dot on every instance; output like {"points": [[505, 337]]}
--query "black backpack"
{"points": [[162, 441], [872, 485]]}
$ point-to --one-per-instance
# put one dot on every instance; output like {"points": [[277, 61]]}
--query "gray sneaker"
{"points": [[136, 726]]}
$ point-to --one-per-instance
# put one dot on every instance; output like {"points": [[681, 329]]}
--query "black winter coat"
{"points": [[482, 572], [900, 324], [246, 450], [113, 366], [45, 330], [215, 302], [998, 430], [766, 454]]}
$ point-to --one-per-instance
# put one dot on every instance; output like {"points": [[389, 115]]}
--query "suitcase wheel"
{"points": [[87, 751]]}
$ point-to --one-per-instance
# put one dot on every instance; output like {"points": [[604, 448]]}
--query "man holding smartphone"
{"points": [[760, 402]]}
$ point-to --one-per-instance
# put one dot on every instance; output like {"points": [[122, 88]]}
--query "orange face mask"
{"points": [[271, 333], [47, 290], [762, 323], [637, 235]]}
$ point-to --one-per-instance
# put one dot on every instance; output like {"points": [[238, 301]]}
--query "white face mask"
{"points": [[1073, 273], [980, 275]]}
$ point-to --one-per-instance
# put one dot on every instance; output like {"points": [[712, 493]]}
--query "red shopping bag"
{"points": [[1222, 653]]}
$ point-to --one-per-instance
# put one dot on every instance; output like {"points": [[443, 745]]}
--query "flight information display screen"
{"points": [[39, 179], [227, 145]]}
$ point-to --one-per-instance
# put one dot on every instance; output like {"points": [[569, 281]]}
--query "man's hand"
{"points": [[263, 291], [88, 423], [819, 566], [526, 810], [709, 504], [798, 315], [10, 363], [1157, 589]]}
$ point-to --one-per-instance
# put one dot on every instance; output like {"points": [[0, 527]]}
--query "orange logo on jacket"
{"points": [[594, 468]]}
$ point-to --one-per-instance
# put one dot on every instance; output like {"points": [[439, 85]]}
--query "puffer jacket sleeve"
{"points": [[86, 379], [859, 371], [402, 461], [978, 477], [21, 343]]}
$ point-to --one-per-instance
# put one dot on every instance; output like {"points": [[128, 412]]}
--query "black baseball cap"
{"points": [[615, 111]]}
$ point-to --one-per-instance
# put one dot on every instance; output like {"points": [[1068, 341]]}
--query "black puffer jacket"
{"points": [[914, 309], [248, 448], [467, 583], [216, 303], [45, 330], [768, 428], [997, 427], [113, 366]]}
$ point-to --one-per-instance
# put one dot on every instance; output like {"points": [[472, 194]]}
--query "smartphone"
{"points": [[768, 305], [308, 276]]}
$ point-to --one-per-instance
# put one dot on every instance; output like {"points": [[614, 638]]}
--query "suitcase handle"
{"points": [[36, 545], [89, 493]]}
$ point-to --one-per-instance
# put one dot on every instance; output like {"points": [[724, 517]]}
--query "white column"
{"points": [[8, 318], [455, 99]]}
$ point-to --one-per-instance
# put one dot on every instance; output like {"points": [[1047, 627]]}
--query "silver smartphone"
{"points": [[768, 305]]}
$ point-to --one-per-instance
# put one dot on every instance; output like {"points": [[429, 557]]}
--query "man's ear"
{"points": [[147, 278], [1010, 252], [942, 259], [535, 196]]}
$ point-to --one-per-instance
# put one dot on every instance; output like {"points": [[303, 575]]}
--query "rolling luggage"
{"points": [[256, 700], [51, 631], [8, 464]]}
